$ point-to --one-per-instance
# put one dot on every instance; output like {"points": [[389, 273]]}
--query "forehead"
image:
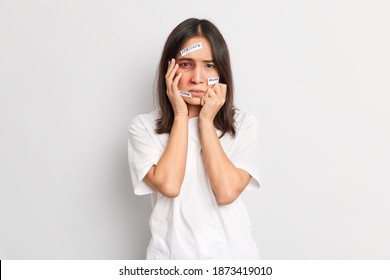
{"points": [[204, 53]]}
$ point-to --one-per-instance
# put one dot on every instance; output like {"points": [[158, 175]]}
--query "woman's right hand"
{"points": [[178, 104]]}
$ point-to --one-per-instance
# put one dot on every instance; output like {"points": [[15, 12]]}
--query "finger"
{"points": [[210, 92], [172, 72], [176, 80], [221, 90], [171, 64], [205, 99], [171, 75], [172, 68]]}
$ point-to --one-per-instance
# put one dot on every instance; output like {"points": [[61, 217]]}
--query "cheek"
{"points": [[212, 74], [184, 80], [215, 73]]}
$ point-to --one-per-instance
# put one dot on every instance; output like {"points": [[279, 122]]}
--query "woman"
{"points": [[197, 153]]}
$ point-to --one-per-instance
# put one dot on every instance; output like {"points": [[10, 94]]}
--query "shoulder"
{"points": [[144, 120], [143, 123], [245, 120]]}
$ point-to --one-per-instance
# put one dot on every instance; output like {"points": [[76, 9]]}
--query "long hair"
{"points": [[224, 120]]}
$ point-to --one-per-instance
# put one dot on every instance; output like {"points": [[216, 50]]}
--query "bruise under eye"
{"points": [[186, 64]]}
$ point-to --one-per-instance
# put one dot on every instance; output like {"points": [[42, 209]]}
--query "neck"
{"points": [[193, 110]]}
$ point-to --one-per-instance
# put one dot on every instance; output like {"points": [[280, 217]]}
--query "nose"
{"points": [[197, 76]]}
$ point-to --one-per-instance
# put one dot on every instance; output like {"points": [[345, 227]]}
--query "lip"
{"points": [[197, 92]]}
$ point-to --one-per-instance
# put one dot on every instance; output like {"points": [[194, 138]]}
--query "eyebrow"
{"points": [[191, 59]]}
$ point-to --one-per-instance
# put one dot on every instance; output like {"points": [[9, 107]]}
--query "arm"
{"points": [[168, 174], [226, 180]]}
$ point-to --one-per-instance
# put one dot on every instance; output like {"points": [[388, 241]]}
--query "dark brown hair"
{"points": [[224, 120]]}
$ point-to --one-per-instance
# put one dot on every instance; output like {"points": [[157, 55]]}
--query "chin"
{"points": [[192, 101]]}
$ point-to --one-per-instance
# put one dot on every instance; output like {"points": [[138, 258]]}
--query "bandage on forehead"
{"points": [[192, 48], [213, 81], [186, 94]]}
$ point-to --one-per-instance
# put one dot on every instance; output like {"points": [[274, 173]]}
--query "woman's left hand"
{"points": [[212, 101]]}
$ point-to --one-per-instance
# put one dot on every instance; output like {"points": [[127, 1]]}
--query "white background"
{"points": [[74, 73]]}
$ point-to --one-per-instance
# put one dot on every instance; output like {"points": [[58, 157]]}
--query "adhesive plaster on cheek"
{"points": [[191, 48], [186, 94], [213, 81]]}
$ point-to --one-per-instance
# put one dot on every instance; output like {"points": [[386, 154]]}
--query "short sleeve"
{"points": [[244, 154], [143, 153]]}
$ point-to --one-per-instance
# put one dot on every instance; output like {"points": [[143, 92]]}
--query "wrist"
{"points": [[181, 117], [180, 112], [205, 123]]}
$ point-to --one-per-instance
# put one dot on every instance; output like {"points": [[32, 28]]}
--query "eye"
{"points": [[185, 65], [210, 65]]}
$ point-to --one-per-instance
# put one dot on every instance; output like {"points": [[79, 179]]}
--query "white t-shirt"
{"points": [[193, 225]]}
